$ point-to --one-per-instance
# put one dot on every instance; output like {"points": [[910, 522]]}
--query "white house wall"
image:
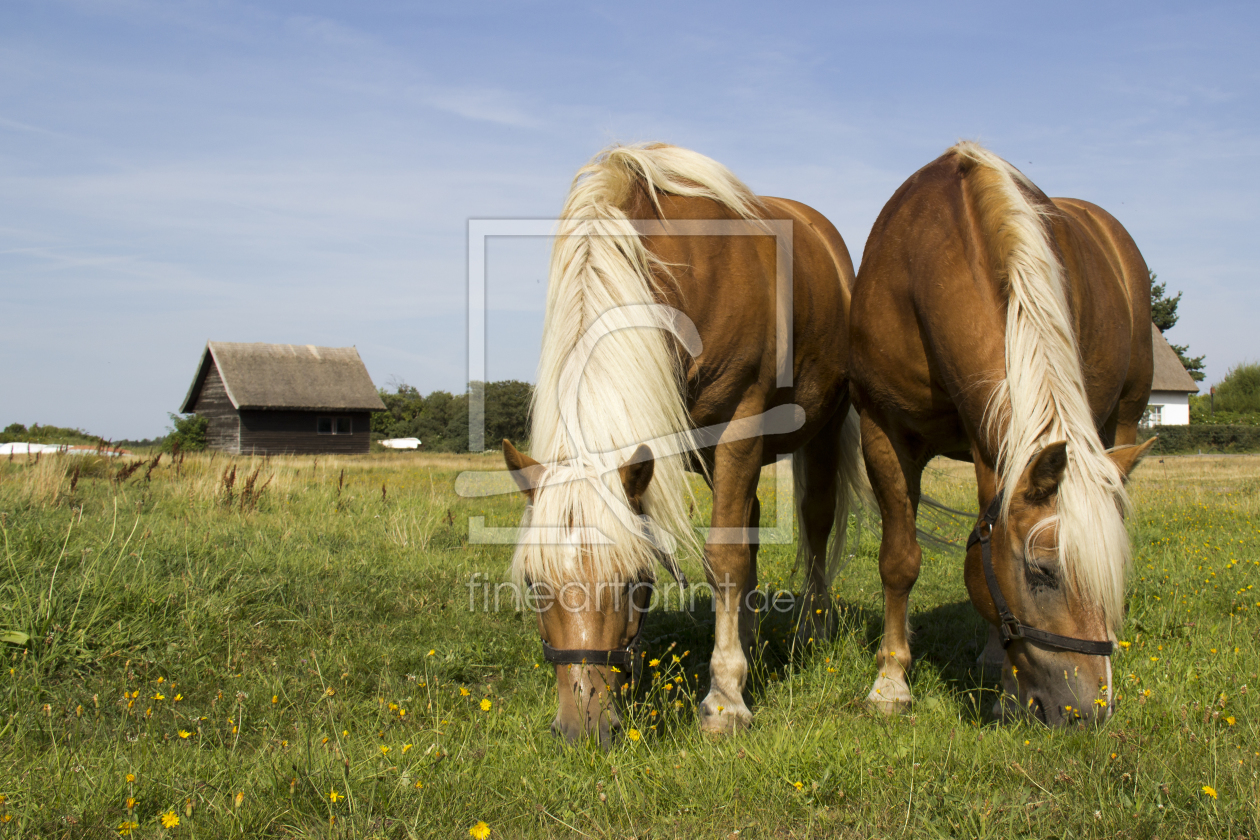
{"points": [[1174, 407]]}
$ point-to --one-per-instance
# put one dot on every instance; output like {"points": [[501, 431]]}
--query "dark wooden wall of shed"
{"points": [[294, 432], [224, 429]]}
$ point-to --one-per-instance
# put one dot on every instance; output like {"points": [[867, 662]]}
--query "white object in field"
{"points": [[30, 448], [402, 443]]}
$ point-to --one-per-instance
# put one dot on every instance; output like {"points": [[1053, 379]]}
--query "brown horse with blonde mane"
{"points": [[681, 333], [995, 325]]}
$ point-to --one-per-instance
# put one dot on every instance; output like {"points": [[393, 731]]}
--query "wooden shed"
{"points": [[272, 399]]}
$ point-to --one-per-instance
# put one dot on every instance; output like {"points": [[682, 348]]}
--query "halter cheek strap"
{"points": [[1009, 625]]}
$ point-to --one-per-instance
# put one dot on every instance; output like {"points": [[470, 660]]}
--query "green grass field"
{"points": [[294, 656]]}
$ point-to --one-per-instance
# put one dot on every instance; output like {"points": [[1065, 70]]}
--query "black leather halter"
{"points": [[1010, 626], [620, 657]]}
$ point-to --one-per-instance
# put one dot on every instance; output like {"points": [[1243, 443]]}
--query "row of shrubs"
{"points": [[1197, 438]]}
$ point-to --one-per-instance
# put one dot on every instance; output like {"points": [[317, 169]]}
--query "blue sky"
{"points": [[172, 172]]}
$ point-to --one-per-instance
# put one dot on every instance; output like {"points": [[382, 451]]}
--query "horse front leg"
{"points": [[730, 556], [895, 480]]}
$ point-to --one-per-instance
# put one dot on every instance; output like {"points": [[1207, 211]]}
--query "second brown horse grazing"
{"points": [[992, 324], [676, 337]]}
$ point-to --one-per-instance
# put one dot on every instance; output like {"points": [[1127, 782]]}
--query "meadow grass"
{"points": [[301, 661]]}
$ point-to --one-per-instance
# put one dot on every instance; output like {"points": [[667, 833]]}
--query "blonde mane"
{"points": [[631, 389], [1042, 398]]}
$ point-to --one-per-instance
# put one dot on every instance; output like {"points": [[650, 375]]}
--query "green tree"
{"points": [[1239, 391], [401, 416], [189, 431], [1164, 316], [507, 412]]}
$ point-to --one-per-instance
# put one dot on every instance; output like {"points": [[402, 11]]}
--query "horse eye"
{"points": [[1042, 576]]}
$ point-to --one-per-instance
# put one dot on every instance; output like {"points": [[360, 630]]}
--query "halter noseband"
{"points": [[621, 657], [1010, 626]]}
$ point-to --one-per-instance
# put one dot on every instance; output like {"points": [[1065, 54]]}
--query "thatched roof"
{"points": [[1170, 375], [288, 376]]}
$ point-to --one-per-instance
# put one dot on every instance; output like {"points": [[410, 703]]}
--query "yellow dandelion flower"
{"points": [[184, 733], [797, 785], [1208, 790], [463, 692], [126, 827], [131, 777], [240, 797], [385, 750], [405, 748], [653, 663], [131, 802], [330, 691], [159, 696], [419, 785], [275, 698], [430, 653], [177, 698], [486, 704], [333, 796], [169, 820], [1230, 720], [480, 831], [633, 735]]}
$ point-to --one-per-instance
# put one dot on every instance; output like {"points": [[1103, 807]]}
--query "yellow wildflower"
{"points": [[653, 663], [1230, 720], [480, 831], [126, 827], [131, 777], [333, 796], [384, 750], [797, 785], [486, 704], [463, 692], [169, 820], [1209, 791], [633, 734], [184, 733]]}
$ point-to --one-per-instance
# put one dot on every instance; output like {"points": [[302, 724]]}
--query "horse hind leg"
{"points": [[824, 489], [895, 481]]}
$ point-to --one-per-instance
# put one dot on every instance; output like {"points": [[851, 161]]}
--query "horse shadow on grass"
{"points": [[946, 640]]}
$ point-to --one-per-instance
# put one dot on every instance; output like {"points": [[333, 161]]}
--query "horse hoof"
{"points": [[889, 697], [724, 720]]}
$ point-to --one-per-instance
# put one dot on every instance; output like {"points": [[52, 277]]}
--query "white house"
{"points": [[1171, 387]]}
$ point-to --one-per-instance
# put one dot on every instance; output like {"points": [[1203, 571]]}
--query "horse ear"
{"points": [[636, 475], [526, 472], [1126, 458], [1045, 472]]}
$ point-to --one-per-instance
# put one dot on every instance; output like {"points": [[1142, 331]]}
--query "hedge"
{"points": [[1202, 438]]}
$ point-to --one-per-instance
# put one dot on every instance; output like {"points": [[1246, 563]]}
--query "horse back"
{"points": [[728, 286], [929, 310]]}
